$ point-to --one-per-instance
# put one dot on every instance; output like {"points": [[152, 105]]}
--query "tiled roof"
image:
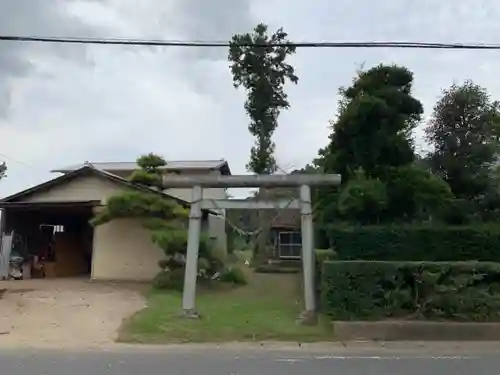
{"points": [[174, 164]]}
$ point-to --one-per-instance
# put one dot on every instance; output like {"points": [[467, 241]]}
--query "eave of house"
{"points": [[85, 170]]}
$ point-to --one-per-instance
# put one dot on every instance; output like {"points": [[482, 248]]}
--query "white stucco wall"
{"points": [[82, 188], [123, 250], [216, 224]]}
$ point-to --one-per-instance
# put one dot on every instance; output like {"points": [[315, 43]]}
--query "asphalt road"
{"points": [[244, 361]]}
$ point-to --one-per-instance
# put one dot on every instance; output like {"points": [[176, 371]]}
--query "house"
{"points": [[58, 211], [285, 225], [286, 235]]}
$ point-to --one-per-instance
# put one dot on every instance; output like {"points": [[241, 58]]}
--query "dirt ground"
{"points": [[65, 312]]}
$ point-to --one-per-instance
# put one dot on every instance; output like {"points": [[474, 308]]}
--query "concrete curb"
{"points": [[416, 331]]}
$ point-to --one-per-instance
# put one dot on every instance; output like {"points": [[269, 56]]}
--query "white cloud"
{"points": [[72, 103]]}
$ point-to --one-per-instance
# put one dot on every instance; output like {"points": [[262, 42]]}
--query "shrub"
{"points": [[370, 290], [415, 192], [163, 264], [362, 199], [325, 254], [161, 280], [418, 243], [169, 280], [203, 265], [171, 264], [234, 275]]}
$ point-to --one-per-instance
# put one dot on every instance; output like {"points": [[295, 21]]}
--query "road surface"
{"points": [[209, 360]]}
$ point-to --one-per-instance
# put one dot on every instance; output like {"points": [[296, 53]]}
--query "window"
{"points": [[58, 228], [289, 244]]}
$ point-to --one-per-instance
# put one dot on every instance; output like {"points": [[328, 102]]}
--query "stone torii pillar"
{"points": [[198, 183]]}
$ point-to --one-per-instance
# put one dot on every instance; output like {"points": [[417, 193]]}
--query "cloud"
{"points": [[34, 17], [213, 20], [68, 104]]}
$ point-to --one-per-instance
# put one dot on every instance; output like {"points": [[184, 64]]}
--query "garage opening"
{"points": [[53, 239]]}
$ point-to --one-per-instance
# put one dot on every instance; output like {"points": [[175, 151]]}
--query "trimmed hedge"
{"points": [[322, 255], [414, 243], [459, 291]]}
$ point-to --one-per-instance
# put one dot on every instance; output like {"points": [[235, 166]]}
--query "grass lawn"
{"points": [[265, 309]]}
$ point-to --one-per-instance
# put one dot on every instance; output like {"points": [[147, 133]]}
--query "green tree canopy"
{"points": [[464, 131], [362, 199], [155, 210], [416, 194], [371, 147], [262, 70], [373, 130]]}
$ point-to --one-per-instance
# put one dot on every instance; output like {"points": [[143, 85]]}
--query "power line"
{"points": [[20, 162], [213, 44]]}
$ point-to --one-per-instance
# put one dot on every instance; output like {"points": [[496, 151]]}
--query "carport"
{"points": [[55, 237]]}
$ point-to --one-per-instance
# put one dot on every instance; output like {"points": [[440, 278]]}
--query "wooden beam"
{"points": [[249, 181], [244, 204]]}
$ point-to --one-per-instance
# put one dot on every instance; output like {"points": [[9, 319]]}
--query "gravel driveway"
{"points": [[64, 312]]}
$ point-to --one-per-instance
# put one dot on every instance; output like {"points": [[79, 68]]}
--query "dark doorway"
{"points": [[57, 239]]}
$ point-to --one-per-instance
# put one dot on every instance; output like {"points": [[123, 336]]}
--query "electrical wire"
{"points": [[17, 161], [9, 160], [212, 44]]}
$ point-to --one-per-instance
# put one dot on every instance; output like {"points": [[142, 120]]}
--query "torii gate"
{"points": [[197, 183]]}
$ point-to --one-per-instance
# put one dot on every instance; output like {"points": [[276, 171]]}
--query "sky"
{"points": [[66, 104]]}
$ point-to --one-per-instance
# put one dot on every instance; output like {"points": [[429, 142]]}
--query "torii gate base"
{"points": [[197, 183]]}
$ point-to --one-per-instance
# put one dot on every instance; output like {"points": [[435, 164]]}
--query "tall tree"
{"points": [[371, 147], [464, 131], [377, 115], [258, 63]]}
